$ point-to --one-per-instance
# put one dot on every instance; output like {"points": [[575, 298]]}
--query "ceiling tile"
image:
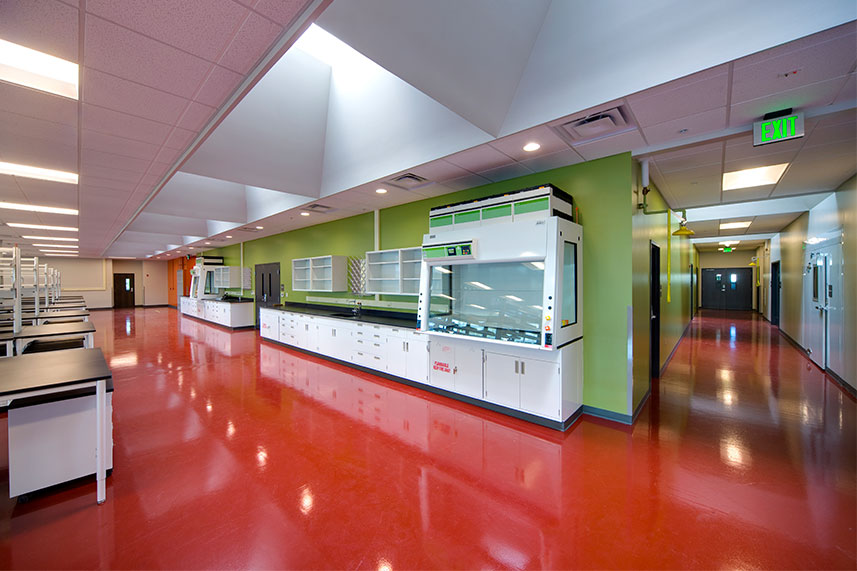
{"points": [[45, 25], [219, 84], [553, 160], [438, 171], [252, 41], [684, 159], [105, 90], [465, 182], [102, 159], [705, 122], [702, 191], [686, 96], [823, 172], [742, 148], [480, 158], [168, 155], [126, 54], [108, 182], [33, 103], [513, 145], [612, 145], [835, 133], [200, 27], [749, 160], [745, 194], [849, 89], [754, 77], [118, 145], [805, 97], [179, 139], [123, 125], [40, 152], [506, 172], [13, 125], [282, 12], [195, 116], [91, 173]]}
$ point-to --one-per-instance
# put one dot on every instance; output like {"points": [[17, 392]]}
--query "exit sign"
{"points": [[779, 129], [727, 249]]}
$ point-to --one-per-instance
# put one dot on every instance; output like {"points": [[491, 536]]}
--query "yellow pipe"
{"points": [[669, 254]]}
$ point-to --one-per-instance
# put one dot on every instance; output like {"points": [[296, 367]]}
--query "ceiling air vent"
{"points": [[320, 208], [594, 125], [249, 229], [409, 181]]}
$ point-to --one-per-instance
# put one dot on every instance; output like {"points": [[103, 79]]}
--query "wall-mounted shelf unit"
{"points": [[394, 272], [231, 277], [321, 273]]}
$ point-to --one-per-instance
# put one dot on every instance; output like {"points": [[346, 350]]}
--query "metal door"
{"points": [[655, 310], [776, 285], [267, 286], [815, 332], [123, 290]]}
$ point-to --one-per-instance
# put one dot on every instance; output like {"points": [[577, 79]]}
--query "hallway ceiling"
{"points": [[190, 128]]}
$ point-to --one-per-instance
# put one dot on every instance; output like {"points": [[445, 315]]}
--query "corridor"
{"points": [[230, 452]]}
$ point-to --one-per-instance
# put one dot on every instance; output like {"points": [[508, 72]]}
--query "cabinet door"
{"points": [[468, 371], [540, 388], [417, 359], [502, 380], [441, 364], [397, 357], [286, 330], [269, 324]]}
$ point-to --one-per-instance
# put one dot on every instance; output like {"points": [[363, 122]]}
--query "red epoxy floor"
{"points": [[232, 453]]}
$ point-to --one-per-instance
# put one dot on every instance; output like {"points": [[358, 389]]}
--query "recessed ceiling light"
{"points": [[304, 213], [190, 247], [720, 249], [41, 226], [381, 190], [31, 68], [74, 246], [749, 178], [532, 146], [39, 173], [729, 242], [50, 238], [34, 208], [260, 227], [480, 285], [208, 243]]}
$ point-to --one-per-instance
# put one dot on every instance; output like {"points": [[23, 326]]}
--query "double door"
{"points": [[824, 312], [727, 288]]}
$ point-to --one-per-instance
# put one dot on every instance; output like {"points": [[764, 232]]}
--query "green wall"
{"points": [[601, 191], [675, 311]]}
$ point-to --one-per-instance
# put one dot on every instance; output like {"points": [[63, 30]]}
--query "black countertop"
{"points": [[379, 316], [235, 300], [56, 368], [50, 330]]}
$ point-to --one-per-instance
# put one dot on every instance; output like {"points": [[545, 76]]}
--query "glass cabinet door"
{"points": [[497, 300]]}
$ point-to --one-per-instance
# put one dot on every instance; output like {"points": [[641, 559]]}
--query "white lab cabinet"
{"points": [[51, 442], [456, 367], [224, 313], [269, 323], [527, 384]]}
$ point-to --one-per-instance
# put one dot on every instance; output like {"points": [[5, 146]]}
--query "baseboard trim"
{"points": [[667, 362], [842, 383], [605, 414]]}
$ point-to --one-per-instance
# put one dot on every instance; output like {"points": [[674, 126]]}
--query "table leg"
{"points": [[19, 346], [100, 449], [90, 341]]}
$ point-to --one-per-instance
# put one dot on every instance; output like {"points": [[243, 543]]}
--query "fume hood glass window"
{"points": [[569, 284], [209, 286], [488, 300]]}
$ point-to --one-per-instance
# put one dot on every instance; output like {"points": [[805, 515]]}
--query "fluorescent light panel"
{"points": [[734, 225], [41, 226], [35, 208], [65, 254], [749, 178], [56, 246], [38, 70], [57, 252], [39, 173], [50, 238]]}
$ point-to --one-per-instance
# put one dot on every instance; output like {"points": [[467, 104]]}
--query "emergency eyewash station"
{"points": [[498, 311]]}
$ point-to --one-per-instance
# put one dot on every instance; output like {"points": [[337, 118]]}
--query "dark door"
{"points": [[655, 311], [692, 291], [727, 288], [267, 286], [775, 293], [123, 290]]}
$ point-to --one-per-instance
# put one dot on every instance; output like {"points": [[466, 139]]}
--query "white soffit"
{"points": [[201, 197], [275, 137], [564, 74], [472, 67], [757, 208], [377, 124]]}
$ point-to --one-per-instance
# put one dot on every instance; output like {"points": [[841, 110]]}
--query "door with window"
{"points": [[727, 288], [123, 290], [267, 292]]}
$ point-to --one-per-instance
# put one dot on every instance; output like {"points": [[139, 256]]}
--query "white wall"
{"points": [[154, 283], [91, 278]]}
